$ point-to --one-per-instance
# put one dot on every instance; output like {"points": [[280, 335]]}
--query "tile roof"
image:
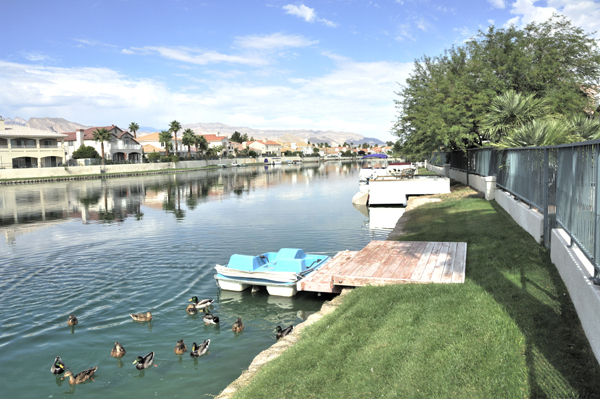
{"points": [[213, 137], [88, 134], [24, 131], [149, 137], [148, 148]]}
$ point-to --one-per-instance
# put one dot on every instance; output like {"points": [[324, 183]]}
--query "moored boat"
{"points": [[279, 272]]}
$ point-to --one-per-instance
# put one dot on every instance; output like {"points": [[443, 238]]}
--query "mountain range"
{"points": [[60, 125]]}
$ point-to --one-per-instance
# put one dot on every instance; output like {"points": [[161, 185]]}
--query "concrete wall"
{"points": [[437, 169], [529, 219], [575, 270], [458, 175]]}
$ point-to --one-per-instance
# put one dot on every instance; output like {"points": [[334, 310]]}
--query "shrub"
{"points": [[164, 158], [153, 157], [174, 158], [85, 151]]}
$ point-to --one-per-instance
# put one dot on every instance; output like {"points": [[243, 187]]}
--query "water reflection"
{"points": [[33, 207]]}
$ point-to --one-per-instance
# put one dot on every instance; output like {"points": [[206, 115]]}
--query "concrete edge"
{"points": [[279, 347], [528, 218], [575, 270]]}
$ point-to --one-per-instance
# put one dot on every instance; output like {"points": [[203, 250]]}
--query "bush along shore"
{"points": [[510, 331]]}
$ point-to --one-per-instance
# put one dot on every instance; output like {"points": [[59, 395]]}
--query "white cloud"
{"points": [[308, 14], [35, 56], [583, 13], [196, 56], [355, 97], [92, 43], [273, 41], [497, 3]]}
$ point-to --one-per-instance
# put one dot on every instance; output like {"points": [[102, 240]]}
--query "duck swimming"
{"points": [[117, 350], [81, 377], [141, 316], [72, 320], [200, 350], [144, 362], [200, 304], [210, 318], [238, 326], [283, 332], [180, 347], [58, 367]]}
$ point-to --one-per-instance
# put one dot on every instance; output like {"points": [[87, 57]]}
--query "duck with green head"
{"points": [[209, 318], [199, 350], [282, 332], [58, 367], [200, 304], [144, 362]]}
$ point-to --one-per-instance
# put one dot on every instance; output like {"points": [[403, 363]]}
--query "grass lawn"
{"points": [[510, 331]]}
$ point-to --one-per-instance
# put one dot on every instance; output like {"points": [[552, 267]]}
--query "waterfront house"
{"points": [[120, 148], [214, 140], [264, 147], [25, 147]]}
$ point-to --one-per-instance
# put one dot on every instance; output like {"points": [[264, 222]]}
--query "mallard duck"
{"points": [[283, 332], [72, 320], [81, 377], [144, 362], [58, 367], [238, 326], [141, 316], [210, 318], [117, 350], [180, 347], [191, 309], [200, 350], [200, 304]]}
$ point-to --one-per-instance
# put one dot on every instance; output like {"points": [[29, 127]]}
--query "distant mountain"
{"points": [[314, 136], [147, 129], [57, 125]]}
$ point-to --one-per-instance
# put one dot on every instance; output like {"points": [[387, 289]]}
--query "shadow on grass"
{"points": [[517, 272]]}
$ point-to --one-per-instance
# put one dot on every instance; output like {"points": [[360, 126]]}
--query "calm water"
{"points": [[102, 249]]}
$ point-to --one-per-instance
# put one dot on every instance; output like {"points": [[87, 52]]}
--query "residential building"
{"points": [[214, 140], [120, 148], [264, 147], [25, 147]]}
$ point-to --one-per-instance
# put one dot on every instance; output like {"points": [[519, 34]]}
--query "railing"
{"points": [[560, 181]]}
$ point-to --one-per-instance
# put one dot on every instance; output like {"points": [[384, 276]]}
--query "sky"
{"points": [[319, 65]]}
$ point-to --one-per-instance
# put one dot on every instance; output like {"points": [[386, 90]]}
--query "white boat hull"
{"points": [[282, 291], [233, 286]]}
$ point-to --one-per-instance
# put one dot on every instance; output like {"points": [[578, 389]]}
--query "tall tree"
{"points": [[201, 144], [101, 135], [237, 137], [165, 137], [188, 139], [446, 97], [134, 127], [174, 127]]}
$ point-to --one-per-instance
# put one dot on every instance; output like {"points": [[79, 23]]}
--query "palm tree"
{"points": [[542, 132], [175, 127], [583, 127], [164, 137], [188, 138], [134, 127], [512, 110], [201, 144], [101, 135]]}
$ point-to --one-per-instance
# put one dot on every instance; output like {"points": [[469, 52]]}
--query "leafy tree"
{"points": [[101, 135], [315, 150], [445, 99], [153, 156], [252, 138], [134, 127], [174, 127], [252, 154], [85, 151], [165, 137], [238, 138], [188, 139], [389, 143], [201, 144]]}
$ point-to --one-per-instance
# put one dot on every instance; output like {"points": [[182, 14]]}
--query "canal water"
{"points": [[102, 249]]}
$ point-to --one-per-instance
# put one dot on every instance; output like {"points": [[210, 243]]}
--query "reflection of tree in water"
{"points": [[90, 199], [172, 202]]}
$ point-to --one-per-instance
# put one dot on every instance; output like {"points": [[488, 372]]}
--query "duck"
{"points": [[117, 350], [144, 362], [58, 367], [141, 316], [200, 304], [180, 347], [283, 332], [201, 349], [210, 318], [238, 326], [72, 320], [81, 377], [191, 309]]}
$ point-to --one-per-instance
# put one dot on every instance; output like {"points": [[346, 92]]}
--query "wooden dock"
{"points": [[391, 262]]}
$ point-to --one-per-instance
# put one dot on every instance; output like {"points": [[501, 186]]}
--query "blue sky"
{"points": [[322, 65]]}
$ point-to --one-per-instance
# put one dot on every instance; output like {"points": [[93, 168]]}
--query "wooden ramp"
{"points": [[391, 262]]}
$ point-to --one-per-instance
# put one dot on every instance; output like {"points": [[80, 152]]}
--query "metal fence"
{"points": [[560, 181]]}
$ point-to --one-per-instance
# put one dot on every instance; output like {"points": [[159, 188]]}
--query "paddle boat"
{"points": [[279, 272]]}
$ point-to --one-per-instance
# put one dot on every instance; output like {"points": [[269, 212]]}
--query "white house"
{"points": [[121, 146]]}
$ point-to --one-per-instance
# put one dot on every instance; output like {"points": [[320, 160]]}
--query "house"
{"points": [[120, 148], [264, 147], [214, 140], [25, 147]]}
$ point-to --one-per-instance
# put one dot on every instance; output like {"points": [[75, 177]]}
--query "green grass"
{"points": [[509, 332], [425, 172]]}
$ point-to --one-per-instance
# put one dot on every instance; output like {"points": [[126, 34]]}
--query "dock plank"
{"points": [[390, 262]]}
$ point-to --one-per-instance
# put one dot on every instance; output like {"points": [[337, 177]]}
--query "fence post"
{"points": [[597, 170], [546, 182]]}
